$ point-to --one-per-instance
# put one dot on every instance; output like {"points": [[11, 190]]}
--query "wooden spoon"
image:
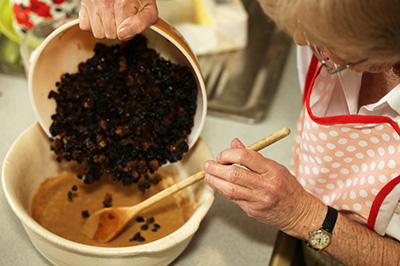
{"points": [[107, 223]]}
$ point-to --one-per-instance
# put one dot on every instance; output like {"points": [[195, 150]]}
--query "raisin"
{"points": [[107, 202], [140, 219], [144, 227], [85, 214], [138, 237], [126, 112]]}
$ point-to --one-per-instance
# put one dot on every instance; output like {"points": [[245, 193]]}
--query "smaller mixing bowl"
{"points": [[67, 46], [29, 162]]}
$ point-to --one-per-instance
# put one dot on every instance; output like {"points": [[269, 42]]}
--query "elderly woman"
{"points": [[341, 195]]}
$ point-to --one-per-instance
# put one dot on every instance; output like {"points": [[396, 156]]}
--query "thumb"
{"points": [[237, 144], [137, 23]]}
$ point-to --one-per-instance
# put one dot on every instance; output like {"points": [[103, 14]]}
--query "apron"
{"points": [[350, 162]]}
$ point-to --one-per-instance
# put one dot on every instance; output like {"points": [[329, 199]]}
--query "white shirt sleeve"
{"points": [[304, 55], [393, 229]]}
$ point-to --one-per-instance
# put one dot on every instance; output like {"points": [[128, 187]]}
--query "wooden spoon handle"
{"points": [[280, 134], [265, 142]]}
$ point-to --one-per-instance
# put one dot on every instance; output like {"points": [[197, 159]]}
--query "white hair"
{"points": [[366, 28]]}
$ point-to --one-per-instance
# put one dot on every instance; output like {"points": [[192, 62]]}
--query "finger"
{"points": [[97, 26], [243, 197], [123, 10], [109, 24], [84, 22], [229, 190], [250, 159], [137, 23], [231, 173]]}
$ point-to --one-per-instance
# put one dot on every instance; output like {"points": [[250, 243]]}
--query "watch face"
{"points": [[320, 239]]}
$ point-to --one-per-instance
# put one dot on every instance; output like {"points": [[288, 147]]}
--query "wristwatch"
{"points": [[321, 238]]}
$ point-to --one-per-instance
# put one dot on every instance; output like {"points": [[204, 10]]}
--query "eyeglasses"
{"points": [[331, 67]]}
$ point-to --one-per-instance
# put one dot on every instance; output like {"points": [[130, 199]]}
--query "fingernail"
{"points": [[206, 165], [125, 33]]}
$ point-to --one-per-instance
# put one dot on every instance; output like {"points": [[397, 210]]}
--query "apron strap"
{"points": [[312, 69]]}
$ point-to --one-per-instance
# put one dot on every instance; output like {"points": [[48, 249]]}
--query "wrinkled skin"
{"points": [[263, 188], [113, 19]]}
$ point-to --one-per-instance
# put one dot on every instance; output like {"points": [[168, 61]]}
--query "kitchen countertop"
{"points": [[227, 236]]}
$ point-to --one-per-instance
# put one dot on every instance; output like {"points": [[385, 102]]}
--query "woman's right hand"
{"points": [[121, 19], [265, 190]]}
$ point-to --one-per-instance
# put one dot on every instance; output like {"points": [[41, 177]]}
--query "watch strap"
{"points": [[330, 219]]}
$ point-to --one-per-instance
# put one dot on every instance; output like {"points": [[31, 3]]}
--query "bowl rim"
{"points": [[160, 27], [189, 227]]}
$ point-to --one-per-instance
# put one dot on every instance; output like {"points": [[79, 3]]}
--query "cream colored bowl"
{"points": [[30, 161], [67, 46]]}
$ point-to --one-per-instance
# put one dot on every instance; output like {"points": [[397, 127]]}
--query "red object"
{"points": [[40, 8], [57, 2], [22, 15]]}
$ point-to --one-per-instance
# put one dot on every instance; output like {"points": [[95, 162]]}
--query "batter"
{"points": [[62, 203]]}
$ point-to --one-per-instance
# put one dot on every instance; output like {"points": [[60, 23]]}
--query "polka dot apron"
{"points": [[350, 162]]}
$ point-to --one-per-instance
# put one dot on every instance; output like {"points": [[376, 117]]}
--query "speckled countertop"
{"points": [[227, 236]]}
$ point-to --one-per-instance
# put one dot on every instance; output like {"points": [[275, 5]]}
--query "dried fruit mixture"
{"points": [[127, 111]]}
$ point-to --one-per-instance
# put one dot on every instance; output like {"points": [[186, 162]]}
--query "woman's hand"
{"points": [[264, 189], [121, 19]]}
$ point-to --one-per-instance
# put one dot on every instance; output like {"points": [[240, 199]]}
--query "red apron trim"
{"points": [[376, 205], [344, 119]]}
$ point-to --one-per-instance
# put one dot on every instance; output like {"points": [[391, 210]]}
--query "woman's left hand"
{"points": [[263, 188]]}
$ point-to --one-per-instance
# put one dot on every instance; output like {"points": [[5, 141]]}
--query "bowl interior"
{"points": [[29, 162], [67, 46]]}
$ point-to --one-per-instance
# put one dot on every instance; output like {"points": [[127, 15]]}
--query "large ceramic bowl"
{"points": [[29, 161], [67, 46]]}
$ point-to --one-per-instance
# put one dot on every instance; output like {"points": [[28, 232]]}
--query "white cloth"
{"points": [[346, 101]]}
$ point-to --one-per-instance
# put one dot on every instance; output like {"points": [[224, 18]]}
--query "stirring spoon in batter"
{"points": [[105, 224]]}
